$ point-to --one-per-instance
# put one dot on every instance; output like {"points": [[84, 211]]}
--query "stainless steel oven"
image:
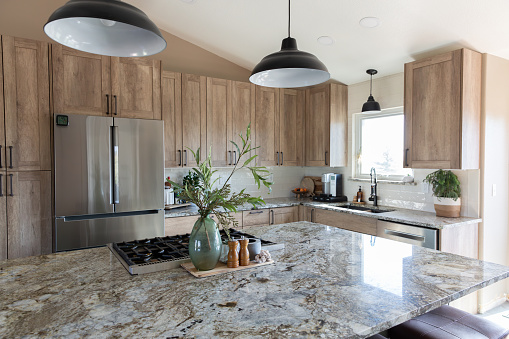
{"points": [[410, 234]]}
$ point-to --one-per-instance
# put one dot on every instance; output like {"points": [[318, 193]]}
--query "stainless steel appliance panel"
{"points": [[140, 165], [82, 166], [415, 235], [74, 234]]}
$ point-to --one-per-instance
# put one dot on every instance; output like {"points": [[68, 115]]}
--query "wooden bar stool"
{"points": [[447, 322]]}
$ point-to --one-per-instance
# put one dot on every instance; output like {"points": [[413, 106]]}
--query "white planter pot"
{"points": [[447, 207]]}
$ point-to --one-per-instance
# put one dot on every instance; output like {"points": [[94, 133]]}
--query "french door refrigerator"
{"points": [[109, 180]]}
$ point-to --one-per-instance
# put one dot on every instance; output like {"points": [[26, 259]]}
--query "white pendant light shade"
{"points": [[105, 27]]}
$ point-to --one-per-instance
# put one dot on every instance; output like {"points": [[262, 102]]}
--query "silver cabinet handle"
{"points": [[115, 97], [180, 157], [10, 159], [277, 161], [326, 164], [12, 191], [272, 211], [281, 158], [230, 157], [405, 235], [406, 156], [1, 156], [185, 157], [312, 213], [107, 104], [1, 185], [235, 157], [115, 199], [257, 212]]}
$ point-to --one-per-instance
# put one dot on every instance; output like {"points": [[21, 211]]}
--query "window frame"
{"points": [[357, 137]]}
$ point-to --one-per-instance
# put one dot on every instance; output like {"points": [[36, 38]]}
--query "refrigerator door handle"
{"points": [[114, 166]]}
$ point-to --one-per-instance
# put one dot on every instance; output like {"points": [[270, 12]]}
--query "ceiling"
{"points": [[244, 31]]}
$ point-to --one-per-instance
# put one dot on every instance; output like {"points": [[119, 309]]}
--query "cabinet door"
{"points": [[255, 218], [306, 213], [3, 216], [27, 109], [291, 127], [171, 89], [346, 221], [267, 125], [194, 110], [2, 121], [317, 126], [283, 215], [136, 88], [179, 225], [29, 213], [243, 114], [218, 121], [81, 82], [433, 112]]}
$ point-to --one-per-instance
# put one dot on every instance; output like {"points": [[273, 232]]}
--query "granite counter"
{"points": [[326, 282]]}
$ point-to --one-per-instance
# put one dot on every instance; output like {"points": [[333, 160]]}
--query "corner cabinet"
{"points": [[326, 126], [443, 110], [85, 83]]}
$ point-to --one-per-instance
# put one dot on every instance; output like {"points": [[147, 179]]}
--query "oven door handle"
{"points": [[405, 235]]}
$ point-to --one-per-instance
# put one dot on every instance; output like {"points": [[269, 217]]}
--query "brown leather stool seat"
{"points": [[447, 322]]}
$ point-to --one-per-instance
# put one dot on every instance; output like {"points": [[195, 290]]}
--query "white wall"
{"points": [[494, 230]]}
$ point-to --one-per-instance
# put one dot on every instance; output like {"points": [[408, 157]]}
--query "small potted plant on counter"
{"points": [[446, 193], [205, 241]]}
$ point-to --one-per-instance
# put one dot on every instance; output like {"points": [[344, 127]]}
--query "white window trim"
{"points": [[356, 138]]}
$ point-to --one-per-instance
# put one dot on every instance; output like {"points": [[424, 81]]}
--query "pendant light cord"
{"points": [[371, 85], [289, 18]]}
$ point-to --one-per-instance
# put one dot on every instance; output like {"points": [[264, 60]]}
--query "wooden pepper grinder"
{"points": [[233, 256], [244, 252]]}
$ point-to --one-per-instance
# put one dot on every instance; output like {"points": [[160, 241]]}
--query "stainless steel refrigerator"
{"points": [[109, 180]]}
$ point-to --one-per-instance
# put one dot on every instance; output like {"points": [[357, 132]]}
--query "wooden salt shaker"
{"points": [[244, 252], [233, 256]]}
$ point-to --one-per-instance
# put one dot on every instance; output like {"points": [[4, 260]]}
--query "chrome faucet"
{"points": [[372, 196]]}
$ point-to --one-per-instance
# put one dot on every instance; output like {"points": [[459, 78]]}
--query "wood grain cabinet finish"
{"points": [[242, 115], [255, 218], [326, 125], [194, 117], [266, 125], [183, 225], [283, 215], [28, 213], [219, 121], [346, 221], [306, 213], [171, 104], [442, 111], [27, 144], [136, 88], [290, 140]]}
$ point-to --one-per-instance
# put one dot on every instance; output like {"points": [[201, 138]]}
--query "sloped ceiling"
{"points": [[244, 31]]}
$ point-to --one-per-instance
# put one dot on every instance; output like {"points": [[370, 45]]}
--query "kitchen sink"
{"points": [[364, 208]]}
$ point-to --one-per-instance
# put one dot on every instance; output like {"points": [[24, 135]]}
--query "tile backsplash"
{"points": [[415, 197]]}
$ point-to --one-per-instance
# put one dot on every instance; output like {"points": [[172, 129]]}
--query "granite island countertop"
{"points": [[326, 282], [401, 215]]}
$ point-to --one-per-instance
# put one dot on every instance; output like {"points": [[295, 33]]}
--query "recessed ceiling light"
{"points": [[369, 22], [325, 40]]}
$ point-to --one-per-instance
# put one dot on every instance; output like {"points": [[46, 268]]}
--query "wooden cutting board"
{"points": [[220, 268], [308, 184]]}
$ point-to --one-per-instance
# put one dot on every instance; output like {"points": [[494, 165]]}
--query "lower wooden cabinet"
{"points": [[25, 214], [255, 218], [284, 215], [346, 221], [183, 225]]}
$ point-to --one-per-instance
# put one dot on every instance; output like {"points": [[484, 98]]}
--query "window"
{"points": [[379, 144]]}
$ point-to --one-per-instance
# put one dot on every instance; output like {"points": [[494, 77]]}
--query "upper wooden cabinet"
{"points": [[219, 119], [290, 141], [442, 111], [326, 125], [85, 83], [266, 129], [171, 92], [242, 114], [27, 108], [194, 117]]}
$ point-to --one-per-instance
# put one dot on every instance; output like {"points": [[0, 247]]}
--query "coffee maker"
{"points": [[332, 188]]}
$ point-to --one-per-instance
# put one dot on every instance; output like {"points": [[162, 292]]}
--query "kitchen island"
{"points": [[326, 282]]}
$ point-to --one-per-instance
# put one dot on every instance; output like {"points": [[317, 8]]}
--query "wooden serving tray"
{"points": [[220, 268]]}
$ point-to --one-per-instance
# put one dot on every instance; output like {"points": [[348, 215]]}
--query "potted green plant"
{"points": [[446, 193], [205, 241]]}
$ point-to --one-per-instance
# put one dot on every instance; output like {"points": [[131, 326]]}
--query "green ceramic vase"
{"points": [[205, 244]]}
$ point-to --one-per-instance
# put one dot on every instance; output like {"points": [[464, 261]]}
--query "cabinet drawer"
{"points": [[346, 221], [255, 218], [180, 225]]}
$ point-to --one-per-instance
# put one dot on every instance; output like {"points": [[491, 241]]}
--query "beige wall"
{"points": [[494, 231], [26, 18]]}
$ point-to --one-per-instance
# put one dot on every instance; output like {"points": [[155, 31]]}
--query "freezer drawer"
{"points": [[415, 235], [80, 232]]}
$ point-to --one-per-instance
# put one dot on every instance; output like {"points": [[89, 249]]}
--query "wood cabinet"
{"points": [[326, 125], [28, 213], [171, 104], [442, 111], [242, 115], [219, 121], [85, 83], [27, 109], [346, 221], [290, 118], [283, 215], [194, 117], [306, 213], [183, 225], [255, 218], [266, 125]]}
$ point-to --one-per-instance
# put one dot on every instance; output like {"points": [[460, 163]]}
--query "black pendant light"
{"points": [[105, 27], [289, 67], [371, 106]]}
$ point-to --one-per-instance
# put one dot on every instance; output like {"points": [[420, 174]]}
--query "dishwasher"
{"points": [[410, 234]]}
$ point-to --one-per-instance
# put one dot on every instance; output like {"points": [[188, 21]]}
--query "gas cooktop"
{"points": [[163, 253]]}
